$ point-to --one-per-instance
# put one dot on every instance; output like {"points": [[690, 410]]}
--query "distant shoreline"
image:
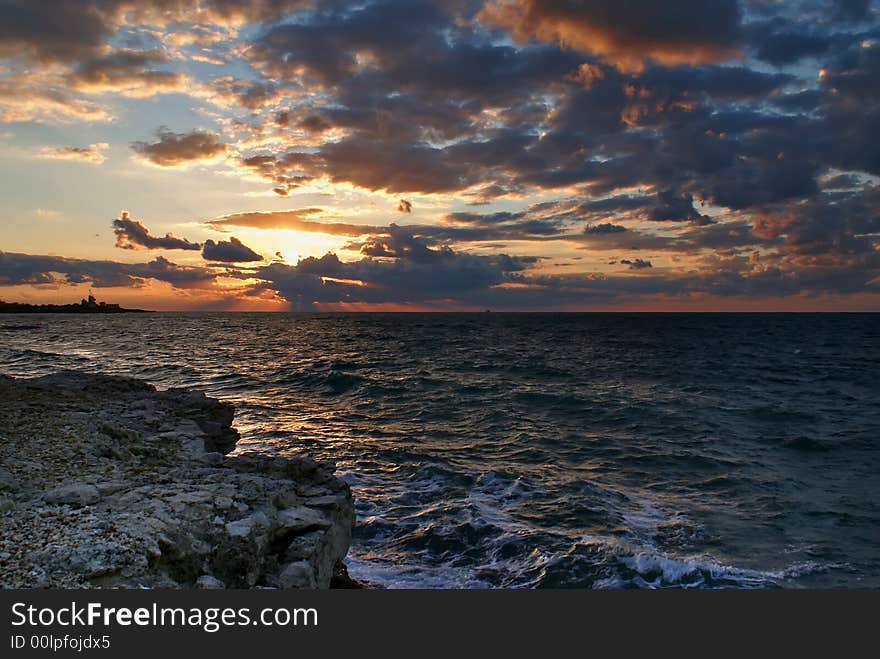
{"points": [[84, 307]]}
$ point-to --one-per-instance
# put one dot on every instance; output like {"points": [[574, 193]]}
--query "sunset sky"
{"points": [[448, 155]]}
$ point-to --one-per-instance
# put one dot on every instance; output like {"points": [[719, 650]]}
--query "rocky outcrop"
{"points": [[107, 482]]}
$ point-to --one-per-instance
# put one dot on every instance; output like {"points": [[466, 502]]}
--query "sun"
{"points": [[292, 246]]}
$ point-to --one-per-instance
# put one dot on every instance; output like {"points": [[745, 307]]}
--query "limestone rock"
{"points": [[107, 482], [300, 518], [207, 582], [297, 575], [76, 494], [8, 482]]}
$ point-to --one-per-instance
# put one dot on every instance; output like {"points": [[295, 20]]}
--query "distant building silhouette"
{"points": [[92, 303]]}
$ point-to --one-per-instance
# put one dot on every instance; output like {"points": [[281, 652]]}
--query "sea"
{"points": [[493, 450]]}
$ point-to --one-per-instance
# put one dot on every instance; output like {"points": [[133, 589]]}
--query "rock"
{"points": [[342, 580], [328, 501], [76, 494], [299, 519], [297, 575], [207, 582], [8, 482], [305, 546], [213, 458], [118, 485], [111, 487], [117, 432], [248, 526], [193, 447], [286, 500]]}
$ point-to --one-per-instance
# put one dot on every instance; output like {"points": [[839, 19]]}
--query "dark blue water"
{"points": [[545, 450]]}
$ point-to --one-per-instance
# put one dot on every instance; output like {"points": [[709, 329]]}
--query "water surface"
{"points": [[545, 450]]}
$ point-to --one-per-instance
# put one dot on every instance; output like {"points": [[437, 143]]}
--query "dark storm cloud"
{"points": [[397, 98], [851, 10], [180, 148], [52, 30], [326, 47], [131, 234], [787, 45], [411, 44], [392, 110], [753, 183], [17, 269], [229, 251], [674, 206], [709, 82], [835, 227], [850, 111], [734, 235]]}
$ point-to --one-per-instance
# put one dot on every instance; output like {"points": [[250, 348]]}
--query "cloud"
{"points": [[71, 31], [52, 31], [637, 264], [404, 270], [229, 251], [131, 234], [626, 33], [602, 229], [676, 207], [296, 220], [180, 148], [19, 269], [404, 206], [851, 10], [250, 94], [787, 45], [276, 170], [21, 99], [127, 72], [93, 153]]}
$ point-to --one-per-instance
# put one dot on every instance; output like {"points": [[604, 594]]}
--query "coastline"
{"points": [[107, 482]]}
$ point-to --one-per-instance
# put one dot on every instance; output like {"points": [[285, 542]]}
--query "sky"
{"points": [[395, 155]]}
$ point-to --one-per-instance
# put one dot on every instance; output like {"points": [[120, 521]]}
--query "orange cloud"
{"points": [[295, 220], [93, 153], [625, 34]]}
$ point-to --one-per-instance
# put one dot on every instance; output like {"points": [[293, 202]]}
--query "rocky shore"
{"points": [[106, 482]]}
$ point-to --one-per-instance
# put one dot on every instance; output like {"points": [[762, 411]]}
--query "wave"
{"points": [[647, 570]]}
